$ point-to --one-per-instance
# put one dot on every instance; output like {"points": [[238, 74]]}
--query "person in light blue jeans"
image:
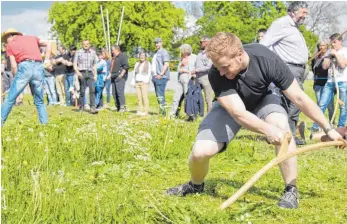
{"points": [[327, 96], [49, 87], [28, 72], [69, 83]]}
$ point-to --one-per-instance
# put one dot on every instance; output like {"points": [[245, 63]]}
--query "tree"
{"points": [[243, 19], [240, 18], [143, 21], [323, 17]]}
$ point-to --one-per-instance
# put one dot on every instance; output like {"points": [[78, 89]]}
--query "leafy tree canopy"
{"points": [[143, 21]]}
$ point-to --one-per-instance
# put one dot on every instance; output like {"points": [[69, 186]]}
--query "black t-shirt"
{"points": [[60, 68], [264, 68], [320, 75], [68, 57]]}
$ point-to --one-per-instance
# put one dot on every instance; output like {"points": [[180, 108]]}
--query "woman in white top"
{"points": [[185, 67], [141, 78]]}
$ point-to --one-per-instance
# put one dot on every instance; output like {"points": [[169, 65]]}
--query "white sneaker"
{"points": [[144, 113], [138, 113], [87, 107]]}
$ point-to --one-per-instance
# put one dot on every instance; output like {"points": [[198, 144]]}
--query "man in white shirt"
{"points": [[285, 39], [336, 62]]}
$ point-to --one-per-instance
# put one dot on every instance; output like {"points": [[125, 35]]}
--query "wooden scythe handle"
{"points": [[282, 155], [316, 55]]}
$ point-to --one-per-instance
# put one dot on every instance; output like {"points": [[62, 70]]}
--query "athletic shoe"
{"points": [[184, 189]]}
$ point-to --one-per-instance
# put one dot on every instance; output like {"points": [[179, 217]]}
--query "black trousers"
{"points": [[118, 91], [87, 80]]}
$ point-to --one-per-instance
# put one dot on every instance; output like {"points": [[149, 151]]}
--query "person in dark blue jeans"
{"points": [[159, 86], [161, 73]]}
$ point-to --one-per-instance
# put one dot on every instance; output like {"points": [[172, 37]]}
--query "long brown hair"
{"points": [[145, 66]]}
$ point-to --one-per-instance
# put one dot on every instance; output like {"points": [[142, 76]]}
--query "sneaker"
{"points": [[184, 189], [122, 109], [87, 107], [138, 112], [300, 141], [93, 110], [290, 199], [80, 108], [99, 108], [106, 106], [144, 114]]}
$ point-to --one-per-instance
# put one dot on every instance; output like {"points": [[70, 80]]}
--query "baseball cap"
{"points": [[157, 40]]}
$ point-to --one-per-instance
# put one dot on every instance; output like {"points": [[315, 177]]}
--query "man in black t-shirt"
{"points": [[240, 77]]}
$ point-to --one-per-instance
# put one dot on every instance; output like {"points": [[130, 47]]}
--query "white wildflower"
{"points": [[30, 129], [8, 139], [98, 163], [61, 173], [41, 135], [15, 138], [60, 190]]}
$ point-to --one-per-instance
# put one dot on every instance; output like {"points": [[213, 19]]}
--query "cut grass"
{"points": [[114, 168]]}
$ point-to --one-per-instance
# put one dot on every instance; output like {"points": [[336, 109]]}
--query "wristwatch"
{"points": [[326, 130]]}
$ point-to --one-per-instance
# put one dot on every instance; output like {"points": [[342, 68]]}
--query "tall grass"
{"points": [[114, 168]]}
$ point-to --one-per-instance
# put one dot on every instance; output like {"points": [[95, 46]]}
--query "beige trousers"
{"points": [[60, 86], [142, 96]]}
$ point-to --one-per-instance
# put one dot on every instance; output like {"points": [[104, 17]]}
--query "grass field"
{"points": [[114, 168]]}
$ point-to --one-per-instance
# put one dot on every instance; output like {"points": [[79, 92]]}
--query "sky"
{"points": [[30, 17]]}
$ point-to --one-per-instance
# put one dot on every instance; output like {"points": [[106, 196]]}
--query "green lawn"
{"points": [[114, 168]]}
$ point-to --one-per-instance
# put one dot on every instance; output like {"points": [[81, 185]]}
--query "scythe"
{"points": [[282, 155]]}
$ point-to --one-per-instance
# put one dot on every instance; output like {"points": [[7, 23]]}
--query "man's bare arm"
{"points": [[48, 46], [13, 65], [308, 107]]}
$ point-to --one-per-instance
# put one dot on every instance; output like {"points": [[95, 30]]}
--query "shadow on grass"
{"points": [[270, 192]]}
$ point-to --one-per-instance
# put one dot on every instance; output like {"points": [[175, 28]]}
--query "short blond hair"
{"points": [[186, 48], [224, 44]]}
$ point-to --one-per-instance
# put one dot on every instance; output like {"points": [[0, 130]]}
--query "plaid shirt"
{"points": [[85, 60]]}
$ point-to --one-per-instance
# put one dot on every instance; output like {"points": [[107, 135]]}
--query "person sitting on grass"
{"points": [[240, 77]]}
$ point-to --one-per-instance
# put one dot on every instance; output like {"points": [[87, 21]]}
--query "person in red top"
{"points": [[26, 64]]}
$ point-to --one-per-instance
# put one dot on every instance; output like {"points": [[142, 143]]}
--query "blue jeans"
{"points": [[328, 94], [69, 82], [108, 90], [32, 73], [318, 92], [99, 87], [50, 90], [159, 86]]}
